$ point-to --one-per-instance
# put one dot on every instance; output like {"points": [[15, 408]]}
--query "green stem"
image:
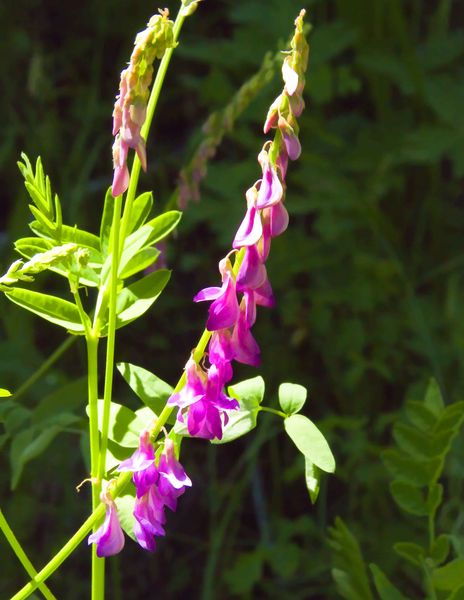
{"points": [[45, 366], [72, 543], [98, 564], [23, 559], [273, 411], [152, 102]]}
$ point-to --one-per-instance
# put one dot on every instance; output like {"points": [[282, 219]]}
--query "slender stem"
{"points": [[152, 102], [23, 559], [98, 564], [273, 411], [72, 543], [109, 365], [45, 366]]}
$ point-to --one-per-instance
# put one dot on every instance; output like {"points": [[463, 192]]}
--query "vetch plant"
{"points": [[135, 469]]}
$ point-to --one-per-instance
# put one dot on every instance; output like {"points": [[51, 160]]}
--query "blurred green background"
{"points": [[368, 277]]}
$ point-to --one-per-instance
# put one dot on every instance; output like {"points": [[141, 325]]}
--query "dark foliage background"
{"points": [[369, 276]]}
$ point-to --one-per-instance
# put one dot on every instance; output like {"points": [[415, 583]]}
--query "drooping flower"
{"points": [[250, 229], [109, 538], [142, 465], [223, 312], [202, 401]]}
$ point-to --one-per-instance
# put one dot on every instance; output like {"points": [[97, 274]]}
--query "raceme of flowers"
{"points": [[156, 487], [203, 404], [130, 108]]}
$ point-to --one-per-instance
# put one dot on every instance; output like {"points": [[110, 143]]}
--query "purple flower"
{"points": [[250, 229], [109, 537], [173, 478], [271, 189], [121, 172], [204, 398], [291, 141], [246, 349], [141, 463], [149, 518], [276, 217], [223, 312], [252, 273]]}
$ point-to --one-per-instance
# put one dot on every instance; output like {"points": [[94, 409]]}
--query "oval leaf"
{"points": [[450, 577], [310, 442], [153, 391], [53, 309], [292, 397]]}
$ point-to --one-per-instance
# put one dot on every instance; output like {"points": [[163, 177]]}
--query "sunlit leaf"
{"points": [[310, 442], [153, 391], [53, 309], [292, 397]]}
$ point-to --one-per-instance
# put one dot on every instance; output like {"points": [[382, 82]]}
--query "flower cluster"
{"points": [[131, 104], [202, 401], [156, 487]]}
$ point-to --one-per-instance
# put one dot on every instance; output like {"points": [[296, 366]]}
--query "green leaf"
{"points": [[409, 497], [4, 393], [124, 425], [420, 415], [134, 300], [411, 470], [440, 549], [313, 479], [125, 506], [141, 209], [53, 309], [451, 418], [27, 445], [147, 235], [413, 553], [386, 589], [433, 399], [450, 577], [152, 391], [292, 397], [310, 442], [457, 594], [106, 222], [162, 225], [139, 262], [75, 235], [249, 394], [115, 454], [63, 400], [349, 572], [434, 498], [245, 573]]}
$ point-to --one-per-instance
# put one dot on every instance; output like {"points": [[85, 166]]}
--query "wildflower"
{"points": [[109, 537], [203, 402], [156, 487], [130, 108], [223, 312]]}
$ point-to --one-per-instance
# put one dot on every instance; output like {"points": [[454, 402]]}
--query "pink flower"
{"points": [[109, 537], [223, 312]]}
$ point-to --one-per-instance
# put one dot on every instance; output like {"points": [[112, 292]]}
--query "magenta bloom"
{"points": [[223, 312], [204, 398], [109, 537], [246, 348], [252, 273], [142, 464], [291, 141], [271, 189], [250, 229]]}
